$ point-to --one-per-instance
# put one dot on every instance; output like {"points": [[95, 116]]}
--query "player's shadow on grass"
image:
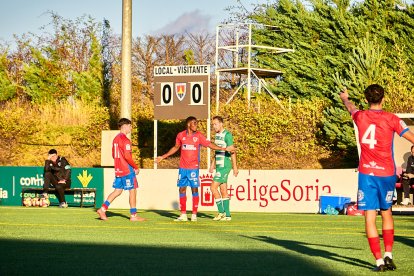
{"points": [[305, 248], [163, 213], [84, 258], [110, 214], [204, 215], [404, 240], [175, 214]]}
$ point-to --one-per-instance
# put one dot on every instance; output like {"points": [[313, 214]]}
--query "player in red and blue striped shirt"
{"points": [[377, 171]]}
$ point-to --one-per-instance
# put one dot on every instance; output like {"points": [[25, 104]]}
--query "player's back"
{"points": [[121, 146], [376, 135]]}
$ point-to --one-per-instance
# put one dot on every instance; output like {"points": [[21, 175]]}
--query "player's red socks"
{"points": [[388, 236], [183, 203], [375, 246], [105, 205], [196, 200]]}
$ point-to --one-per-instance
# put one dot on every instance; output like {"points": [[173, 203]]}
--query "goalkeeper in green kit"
{"points": [[223, 162]]}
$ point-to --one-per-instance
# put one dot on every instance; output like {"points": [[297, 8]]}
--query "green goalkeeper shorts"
{"points": [[221, 175]]}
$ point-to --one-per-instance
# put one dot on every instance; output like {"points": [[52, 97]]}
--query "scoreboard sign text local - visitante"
{"points": [[181, 91]]}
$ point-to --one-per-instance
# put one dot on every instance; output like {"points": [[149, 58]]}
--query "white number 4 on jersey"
{"points": [[369, 137]]}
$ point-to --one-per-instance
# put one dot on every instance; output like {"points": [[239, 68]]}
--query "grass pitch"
{"points": [[73, 241]]}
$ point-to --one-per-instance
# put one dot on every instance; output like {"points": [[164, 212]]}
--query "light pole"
{"points": [[126, 102]]}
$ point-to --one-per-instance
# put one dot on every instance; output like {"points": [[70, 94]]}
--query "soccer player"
{"points": [[223, 162], [125, 171], [376, 170], [190, 142]]}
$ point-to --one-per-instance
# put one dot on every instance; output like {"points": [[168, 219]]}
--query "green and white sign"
{"points": [[13, 179]]}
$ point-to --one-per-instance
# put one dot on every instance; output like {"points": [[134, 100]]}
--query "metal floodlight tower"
{"points": [[234, 51]]}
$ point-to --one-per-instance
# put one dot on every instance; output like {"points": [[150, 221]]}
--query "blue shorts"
{"points": [[126, 183], [375, 192], [188, 177]]}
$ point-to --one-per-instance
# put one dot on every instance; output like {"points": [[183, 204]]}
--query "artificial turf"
{"points": [[73, 241]]}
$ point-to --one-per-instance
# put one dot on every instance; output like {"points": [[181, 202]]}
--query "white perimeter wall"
{"points": [[251, 191]]}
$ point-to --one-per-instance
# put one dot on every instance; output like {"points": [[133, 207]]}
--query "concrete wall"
{"points": [[251, 191]]}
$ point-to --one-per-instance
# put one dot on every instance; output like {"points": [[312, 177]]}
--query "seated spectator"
{"points": [[408, 178], [57, 174]]}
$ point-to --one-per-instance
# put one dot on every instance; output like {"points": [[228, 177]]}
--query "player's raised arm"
{"points": [[173, 150], [348, 104]]}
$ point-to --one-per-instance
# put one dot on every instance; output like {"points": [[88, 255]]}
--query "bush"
{"points": [[272, 136], [17, 122], [30, 130], [267, 135]]}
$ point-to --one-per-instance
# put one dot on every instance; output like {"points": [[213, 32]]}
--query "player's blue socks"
{"points": [[133, 211]]}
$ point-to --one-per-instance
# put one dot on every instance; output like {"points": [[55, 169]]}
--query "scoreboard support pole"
{"points": [[155, 143], [209, 129]]}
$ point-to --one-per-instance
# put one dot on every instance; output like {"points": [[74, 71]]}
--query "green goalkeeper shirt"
{"points": [[223, 159]]}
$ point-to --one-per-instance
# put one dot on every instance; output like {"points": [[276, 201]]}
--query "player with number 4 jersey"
{"points": [[376, 134], [376, 176]]}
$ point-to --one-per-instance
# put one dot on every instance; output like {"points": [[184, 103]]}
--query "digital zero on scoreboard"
{"points": [[181, 91]]}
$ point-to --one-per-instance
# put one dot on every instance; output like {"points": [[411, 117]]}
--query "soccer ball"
{"points": [[35, 202], [27, 201], [44, 202]]}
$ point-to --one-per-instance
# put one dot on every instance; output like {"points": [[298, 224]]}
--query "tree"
{"points": [[202, 47], [7, 87], [361, 42], [66, 63], [145, 53], [89, 82], [171, 51], [46, 79], [320, 35]]}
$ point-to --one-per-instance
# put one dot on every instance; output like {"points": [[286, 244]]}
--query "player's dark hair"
{"points": [[412, 147], [218, 118], [189, 119], [52, 151], [124, 121], [374, 93]]}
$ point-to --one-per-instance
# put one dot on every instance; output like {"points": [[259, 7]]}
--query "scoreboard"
{"points": [[181, 91]]}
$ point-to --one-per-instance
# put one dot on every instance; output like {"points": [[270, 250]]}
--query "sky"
{"points": [[148, 16]]}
